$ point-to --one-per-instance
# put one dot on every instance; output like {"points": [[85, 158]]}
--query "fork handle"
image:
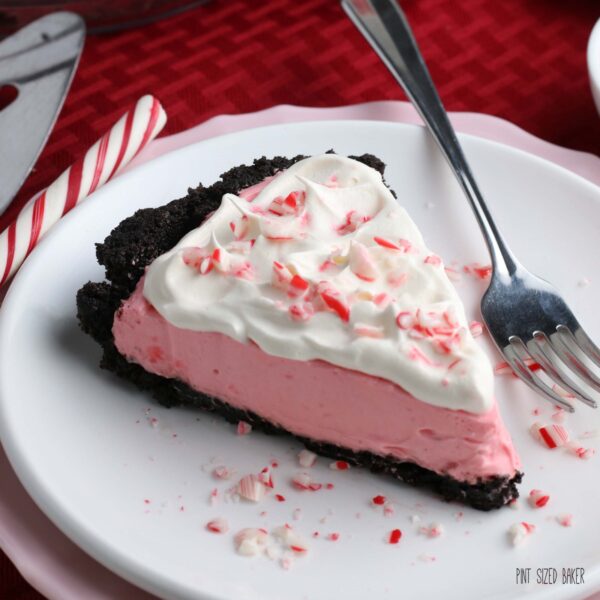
{"points": [[385, 27]]}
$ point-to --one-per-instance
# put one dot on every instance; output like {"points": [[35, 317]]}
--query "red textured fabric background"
{"points": [[523, 60]]}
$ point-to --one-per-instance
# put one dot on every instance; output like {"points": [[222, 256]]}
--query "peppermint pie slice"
{"points": [[299, 296]]}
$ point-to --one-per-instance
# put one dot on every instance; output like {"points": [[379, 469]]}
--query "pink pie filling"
{"points": [[316, 399]]}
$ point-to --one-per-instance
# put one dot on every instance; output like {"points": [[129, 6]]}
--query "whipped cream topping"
{"points": [[321, 262]]}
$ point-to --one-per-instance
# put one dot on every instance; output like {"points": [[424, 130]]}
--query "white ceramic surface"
{"points": [[593, 60], [72, 436]]}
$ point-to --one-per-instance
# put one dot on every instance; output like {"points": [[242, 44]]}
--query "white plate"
{"points": [[81, 441]]}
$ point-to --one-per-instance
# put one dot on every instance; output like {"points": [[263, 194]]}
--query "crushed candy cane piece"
{"points": [[351, 223], [279, 498], [306, 458], [478, 271], [378, 500], [405, 319], [518, 532], [251, 488], [218, 525], [336, 304], [251, 541], [299, 283], [214, 496], [339, 465], [388, 509], [386, 243], [361, 262], [581, 452], [538, 499], [394, 536], [301, 312], [566, 520], [222, 472], [476, 328], [552, 436], [243, 428], [433, 259], [303, 481], [265, 478], [434, 530], [288, 537], [503, 368], [333, 537]]}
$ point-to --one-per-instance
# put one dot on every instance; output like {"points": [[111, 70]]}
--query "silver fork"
{"points": [[528, 320]]}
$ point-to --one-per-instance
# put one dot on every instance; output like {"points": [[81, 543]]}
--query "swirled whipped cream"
{"points": [[321, 262]]}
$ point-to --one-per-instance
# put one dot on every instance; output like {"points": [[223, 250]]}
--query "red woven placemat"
{"points": [[523, 60]]}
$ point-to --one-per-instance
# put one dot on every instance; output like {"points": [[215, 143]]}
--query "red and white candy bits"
{"points": [[243, 428], [251, 488], [251, 541], [433, 259], [306, 458], [339, 465], [503, 368], [394, 536], [581, 452], [290, 539], [218, 525], [566, 520], [478, 271], [361, 262], [109, 155], [434, 530], [538, 499], [519, 532], [552, 436], [223, 472], [476, 328], [303, 481]]}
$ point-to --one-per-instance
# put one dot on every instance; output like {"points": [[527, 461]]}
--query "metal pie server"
{"points": [[39, 61]]}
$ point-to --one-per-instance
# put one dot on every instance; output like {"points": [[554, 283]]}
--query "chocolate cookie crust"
{"points": [[150, 232]]}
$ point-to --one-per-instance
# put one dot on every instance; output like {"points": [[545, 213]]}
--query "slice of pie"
{"points": [[299, 296]]}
